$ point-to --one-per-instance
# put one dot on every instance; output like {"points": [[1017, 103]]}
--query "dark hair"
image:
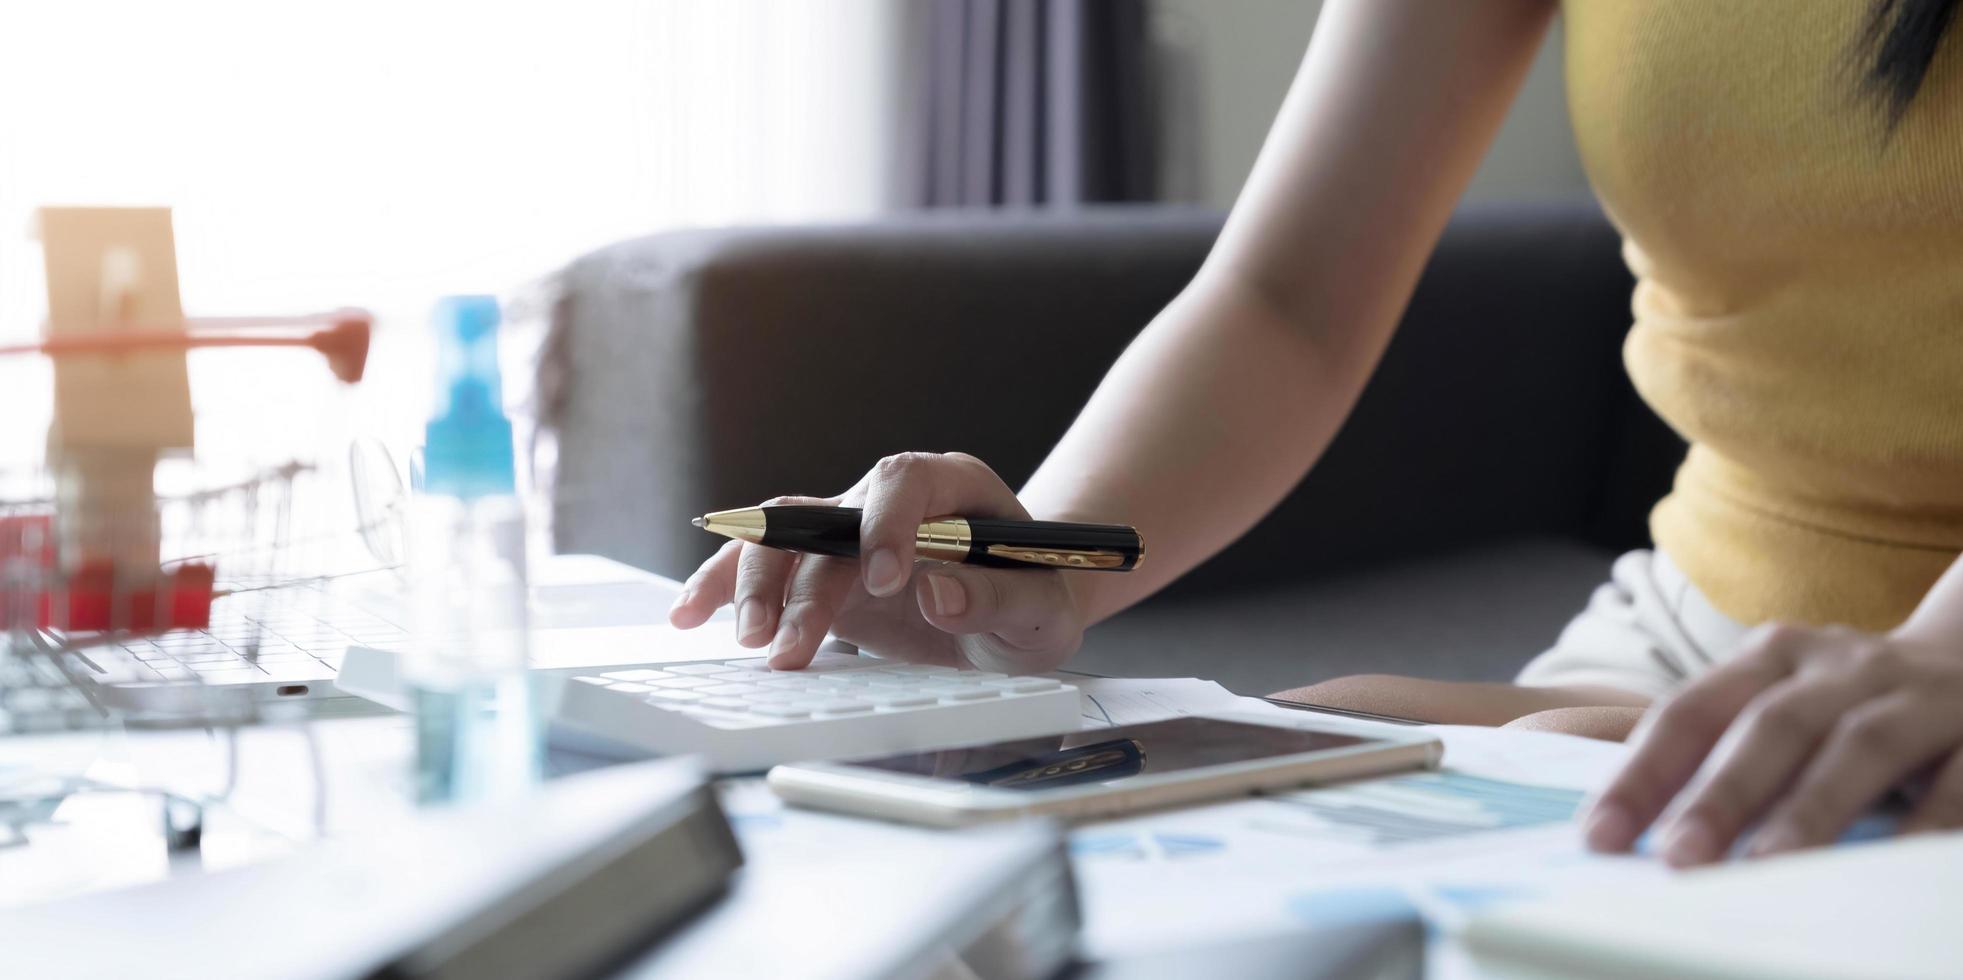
{"points": [[1896, 48]]}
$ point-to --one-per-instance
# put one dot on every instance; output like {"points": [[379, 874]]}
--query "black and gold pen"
{"points": [[972, 540]]}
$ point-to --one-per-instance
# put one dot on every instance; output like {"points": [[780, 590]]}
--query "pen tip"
{"points": [[699, 522]]}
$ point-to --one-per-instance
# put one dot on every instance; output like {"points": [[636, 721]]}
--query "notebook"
{"points": [[1882, 909]]}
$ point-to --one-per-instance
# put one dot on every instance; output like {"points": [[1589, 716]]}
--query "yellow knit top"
{"points": [[1799, 298]]}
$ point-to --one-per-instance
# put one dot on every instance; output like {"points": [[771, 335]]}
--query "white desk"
{"points": [[1177, 880]]}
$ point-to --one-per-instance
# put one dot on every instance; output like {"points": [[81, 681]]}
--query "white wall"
{"points": [[1231, 62]]}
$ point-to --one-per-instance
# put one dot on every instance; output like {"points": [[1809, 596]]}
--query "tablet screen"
{"points": [[1108, 755]]}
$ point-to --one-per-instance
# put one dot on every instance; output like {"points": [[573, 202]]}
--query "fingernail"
{"points": [[780, 649], [682, 600], [750, 620], [950, 597], [883, 573], [1775, 840], [1690, 842], [1609, 827]]}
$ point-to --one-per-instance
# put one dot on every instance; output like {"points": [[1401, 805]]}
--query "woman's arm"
{"points": [[1939, 617], [1222, 404], [1225, 401]]}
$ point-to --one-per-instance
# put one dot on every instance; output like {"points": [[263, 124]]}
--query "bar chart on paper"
{"points": [[1343, 822], [1416, 808], [1495, 826], [1385, 849]]}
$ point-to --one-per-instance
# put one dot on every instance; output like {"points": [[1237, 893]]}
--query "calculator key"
{"points": [[679, 683], [901, 699], [968, 693], [635, 675], [842, 707], [796, 710], [698, 669], [727, 689], [729, 719], [1025, 685], [601, 681], [673, 697], [627, 688], [727, 704]]}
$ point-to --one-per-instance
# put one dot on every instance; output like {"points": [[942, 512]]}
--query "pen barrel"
{"points": [[813, 530], [974, 540], [1048, 544]]}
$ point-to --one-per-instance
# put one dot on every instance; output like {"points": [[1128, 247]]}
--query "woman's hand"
{"points": [[1020, 620], [1801, 733]]}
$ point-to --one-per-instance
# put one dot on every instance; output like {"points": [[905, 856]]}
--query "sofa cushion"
{"points": [[711, 369], [1475, 615]]}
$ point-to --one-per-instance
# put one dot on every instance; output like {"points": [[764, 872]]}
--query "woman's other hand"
{"points": [[1792, 741], [1017, 620]]}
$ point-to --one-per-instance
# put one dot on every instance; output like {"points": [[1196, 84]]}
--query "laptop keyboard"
{"points": [[36, 697], [289, 641], [298, 637]]}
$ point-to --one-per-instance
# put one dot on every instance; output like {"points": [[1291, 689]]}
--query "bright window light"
{"points": [[382, 152]]}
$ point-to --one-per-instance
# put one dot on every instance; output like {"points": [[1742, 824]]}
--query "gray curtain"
{"points": [[1029, 102]]}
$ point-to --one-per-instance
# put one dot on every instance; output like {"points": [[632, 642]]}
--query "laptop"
{"points": [[286, 646]]}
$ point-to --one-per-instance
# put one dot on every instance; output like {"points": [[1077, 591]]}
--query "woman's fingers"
{"points": [[1941, 808], [817, 591], [905, 490], [762, 574], [1019, 620], [1757, 760], [1676, 738], [1872, 749], [1822, 723], [1028, 614], [708, 589]]}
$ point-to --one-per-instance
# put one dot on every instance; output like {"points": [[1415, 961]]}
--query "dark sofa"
{"points": [[1497, 461]]}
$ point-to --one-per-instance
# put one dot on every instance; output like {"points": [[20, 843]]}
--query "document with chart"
{"points": [[1493, 825]]}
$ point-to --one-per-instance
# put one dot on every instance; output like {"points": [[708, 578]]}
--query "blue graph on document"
{"points": [[1419, 807]]}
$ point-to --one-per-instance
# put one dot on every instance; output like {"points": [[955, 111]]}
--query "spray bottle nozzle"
{"points": [[467, 450]]}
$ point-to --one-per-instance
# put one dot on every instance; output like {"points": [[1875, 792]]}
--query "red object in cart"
{"points": [[91, 599]]}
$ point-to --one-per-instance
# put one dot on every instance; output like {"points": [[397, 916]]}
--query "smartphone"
{"points": [[1099, 772]]}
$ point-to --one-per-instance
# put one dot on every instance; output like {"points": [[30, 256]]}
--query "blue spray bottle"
{"points": [[477, 733]]}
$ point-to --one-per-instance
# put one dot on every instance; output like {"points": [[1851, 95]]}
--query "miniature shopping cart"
{"points": [[107, 557], [118, 543], [137, 548]]}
